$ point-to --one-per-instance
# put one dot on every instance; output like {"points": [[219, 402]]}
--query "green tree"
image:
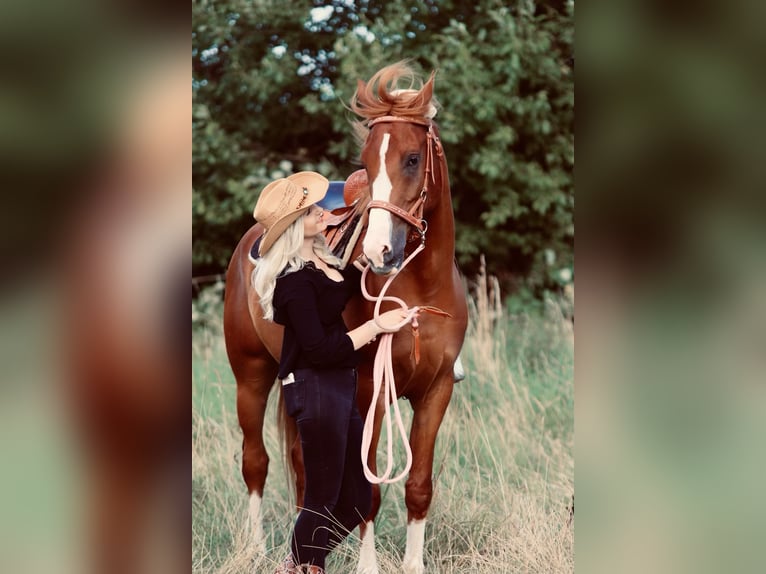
{"points": [[270, 79]]}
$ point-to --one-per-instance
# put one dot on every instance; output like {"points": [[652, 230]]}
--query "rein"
{"points": [[383, 375]]}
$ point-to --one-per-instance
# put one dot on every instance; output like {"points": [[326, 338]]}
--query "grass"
{"points": [[503, 463]]}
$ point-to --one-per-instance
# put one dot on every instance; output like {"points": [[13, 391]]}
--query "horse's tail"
{"points": [[288, 435]]}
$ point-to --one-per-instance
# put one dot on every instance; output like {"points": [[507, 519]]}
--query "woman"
{"points": [[301, 286]]}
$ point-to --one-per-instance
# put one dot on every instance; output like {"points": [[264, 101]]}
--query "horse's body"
{"points": [[406, 168]]}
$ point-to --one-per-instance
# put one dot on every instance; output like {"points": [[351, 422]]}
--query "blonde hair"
{"points": [[283, 258]]}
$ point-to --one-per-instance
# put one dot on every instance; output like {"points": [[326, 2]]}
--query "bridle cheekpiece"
{"points": [[415, 214]]}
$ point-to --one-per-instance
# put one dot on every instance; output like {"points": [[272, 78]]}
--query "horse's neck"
{"points": [[434, 264]]}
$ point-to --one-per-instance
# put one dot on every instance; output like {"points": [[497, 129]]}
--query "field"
{"points": [[503, 471]]}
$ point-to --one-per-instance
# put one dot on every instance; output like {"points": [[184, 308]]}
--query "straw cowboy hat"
{"points": [[284, 200]]}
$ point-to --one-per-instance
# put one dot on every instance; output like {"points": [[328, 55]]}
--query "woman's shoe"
{"points": [[314, 570], [288, 566]]}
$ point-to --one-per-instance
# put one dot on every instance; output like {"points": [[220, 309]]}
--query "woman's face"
{"points": [[313, 223]]}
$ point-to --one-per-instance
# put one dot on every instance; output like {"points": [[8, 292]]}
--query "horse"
{"points": [[406, 204]]}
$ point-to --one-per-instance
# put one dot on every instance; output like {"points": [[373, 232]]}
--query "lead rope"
{"points": [[383, 376]]}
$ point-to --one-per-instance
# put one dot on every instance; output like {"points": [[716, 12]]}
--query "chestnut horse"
{"points": [[407, 203]]}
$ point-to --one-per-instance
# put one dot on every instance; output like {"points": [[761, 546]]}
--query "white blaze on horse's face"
{"points": [[377, 242]]}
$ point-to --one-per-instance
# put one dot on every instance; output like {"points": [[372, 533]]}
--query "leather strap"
{"points": [[392, 119], [399, 212]]}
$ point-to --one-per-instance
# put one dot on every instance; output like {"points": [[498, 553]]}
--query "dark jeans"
{"points": [[338, 496]]}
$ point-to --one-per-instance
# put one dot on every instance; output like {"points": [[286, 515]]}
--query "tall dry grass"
{"points": [[503, 470]]}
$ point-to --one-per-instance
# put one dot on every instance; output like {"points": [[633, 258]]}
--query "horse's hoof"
{"points": [[367, 568], [413, 567], [258, 547]]}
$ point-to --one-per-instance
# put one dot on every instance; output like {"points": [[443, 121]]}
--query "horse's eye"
{"points": [[412, 161]]}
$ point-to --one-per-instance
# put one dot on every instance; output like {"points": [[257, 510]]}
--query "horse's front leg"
{"points": [[428, 411]]}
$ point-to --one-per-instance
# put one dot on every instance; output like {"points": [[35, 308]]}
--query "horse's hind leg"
{"points": [[255, 378]]}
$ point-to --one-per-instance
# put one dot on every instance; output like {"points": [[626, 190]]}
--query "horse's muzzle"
{"points": [[387, 268]]}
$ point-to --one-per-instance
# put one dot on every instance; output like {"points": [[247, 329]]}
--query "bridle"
{"points": [[414, 216]]}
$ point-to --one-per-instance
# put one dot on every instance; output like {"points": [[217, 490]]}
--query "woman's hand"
{"points": [[388, 322], [392, 321]]}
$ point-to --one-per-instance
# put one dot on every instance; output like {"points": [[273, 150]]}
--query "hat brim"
{"points": [[316, 185]]}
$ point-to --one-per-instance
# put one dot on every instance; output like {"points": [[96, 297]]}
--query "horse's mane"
{"points": [[395, 90]]}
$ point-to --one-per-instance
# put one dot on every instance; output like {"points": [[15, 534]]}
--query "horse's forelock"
{"points": [[383, 96]]}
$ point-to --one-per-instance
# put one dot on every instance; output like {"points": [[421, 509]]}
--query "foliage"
{"points": [[270, 83], [207, 308]]}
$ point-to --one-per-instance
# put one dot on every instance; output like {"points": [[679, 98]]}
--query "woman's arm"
{"points": [[368, 330], [320, 346], [324, 348]]}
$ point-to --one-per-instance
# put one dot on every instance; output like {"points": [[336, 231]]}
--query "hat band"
{"points": [[303, 199]]}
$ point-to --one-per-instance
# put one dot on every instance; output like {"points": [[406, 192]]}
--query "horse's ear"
{"points": [[427, 94], [428, 89]]}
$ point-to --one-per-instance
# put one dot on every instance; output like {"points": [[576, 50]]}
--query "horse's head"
{"points": [[398, 156]]}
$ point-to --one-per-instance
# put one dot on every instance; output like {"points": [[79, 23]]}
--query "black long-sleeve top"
{"points": [[310, 305]]}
